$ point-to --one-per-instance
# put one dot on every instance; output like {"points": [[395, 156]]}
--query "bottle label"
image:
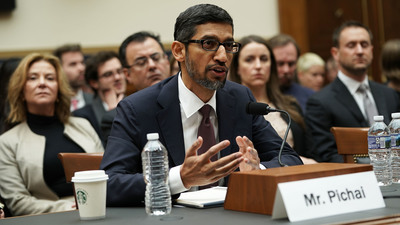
{"points": [[379, 142], [395, 140]]}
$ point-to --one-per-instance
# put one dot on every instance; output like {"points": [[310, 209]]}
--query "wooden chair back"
{"points": [[352, 143], [75, 162]]}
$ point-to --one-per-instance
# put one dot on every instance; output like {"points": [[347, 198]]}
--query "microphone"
{"points": [[257, 108]]}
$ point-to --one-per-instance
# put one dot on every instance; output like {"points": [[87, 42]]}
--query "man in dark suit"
{"points": [[104, 74], [342, 103], [204, 47]]}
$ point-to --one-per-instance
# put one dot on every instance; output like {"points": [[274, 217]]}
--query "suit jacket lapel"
{"points": [[379, 99], [343, 95], [98, 109], [226, 119], [170, 122]]}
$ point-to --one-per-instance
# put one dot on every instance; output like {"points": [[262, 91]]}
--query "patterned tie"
{"points": [[369, 106], [206, 131]]}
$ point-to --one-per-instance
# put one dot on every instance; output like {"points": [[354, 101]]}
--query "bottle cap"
{"points": [[378, 118], [396, 115], [152, 136]]}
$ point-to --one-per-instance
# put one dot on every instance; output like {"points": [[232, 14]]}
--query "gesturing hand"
{"points": [[251, 160], [198, 170]]}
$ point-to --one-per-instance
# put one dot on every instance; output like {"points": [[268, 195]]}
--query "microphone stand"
{"points": [[285, 137], [256, 108]]}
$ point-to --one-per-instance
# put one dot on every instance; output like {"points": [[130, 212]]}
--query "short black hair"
{"points": [[350, 23], [93, 63], [136, 37], [185, 25]]}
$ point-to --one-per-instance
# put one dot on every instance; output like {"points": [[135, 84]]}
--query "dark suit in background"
{"points": [[302, 138], [88, 97], [157, 109], [95, 113], [335, 106]]}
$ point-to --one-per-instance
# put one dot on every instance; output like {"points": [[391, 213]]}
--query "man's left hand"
{"points": [[251, 160]]}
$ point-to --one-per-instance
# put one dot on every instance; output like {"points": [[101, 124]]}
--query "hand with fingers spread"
{"points": [[198, 170], [251, 160]]}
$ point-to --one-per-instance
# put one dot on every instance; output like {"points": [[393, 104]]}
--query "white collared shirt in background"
{"points": [[352, 85], [81, 100]]}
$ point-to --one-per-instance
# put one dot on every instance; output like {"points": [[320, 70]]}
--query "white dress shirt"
{"points": [[81, 100], [191, 119], [352, 85]]}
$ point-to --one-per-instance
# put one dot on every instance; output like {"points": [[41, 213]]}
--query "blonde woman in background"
{"points": [[254, 66], [311, 71], [32, 178]]}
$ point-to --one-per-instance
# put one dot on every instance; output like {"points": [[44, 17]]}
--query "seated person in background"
{"points": [[331, 70], [73, 65], [144, 60], [204, 47], [254, 66], [311, 71], [104, 74], [6, 70], [351, 100], [391, 63], [32, 179], [286, 52]]}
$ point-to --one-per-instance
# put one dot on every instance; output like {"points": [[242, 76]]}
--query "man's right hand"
{"points": [[199, 170]]}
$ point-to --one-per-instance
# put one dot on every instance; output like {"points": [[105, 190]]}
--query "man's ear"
{"points": [[178, 50], [335, 53], [128, 75]]}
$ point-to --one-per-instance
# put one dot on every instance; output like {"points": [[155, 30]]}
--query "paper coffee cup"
{"points": [[90, 192]]}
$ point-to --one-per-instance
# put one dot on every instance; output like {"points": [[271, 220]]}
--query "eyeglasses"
{"points": [[144, 60], [213, 45], [108, 74]]}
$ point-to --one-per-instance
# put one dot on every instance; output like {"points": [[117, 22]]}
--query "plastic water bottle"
{"points": [[394, 129], [155, 173], [379, 151]]}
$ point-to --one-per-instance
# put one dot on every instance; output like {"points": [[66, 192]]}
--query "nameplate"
{"points": [[327, 196]]}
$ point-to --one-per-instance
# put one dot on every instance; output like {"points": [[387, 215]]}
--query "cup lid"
{"points": [[89, 176]]}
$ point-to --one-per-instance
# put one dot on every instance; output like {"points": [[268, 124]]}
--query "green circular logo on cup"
{"points": [[81, 196]]}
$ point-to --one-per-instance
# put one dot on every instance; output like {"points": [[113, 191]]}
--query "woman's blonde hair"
{"points": [[18, 108], [307, 60]]}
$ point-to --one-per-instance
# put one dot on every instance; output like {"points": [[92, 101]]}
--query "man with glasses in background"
{"points": [[181, 107], [104, 73], [144, 60]]}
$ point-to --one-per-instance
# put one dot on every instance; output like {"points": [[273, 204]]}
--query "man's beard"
{"points": [[353, 70], [205, 82]]}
